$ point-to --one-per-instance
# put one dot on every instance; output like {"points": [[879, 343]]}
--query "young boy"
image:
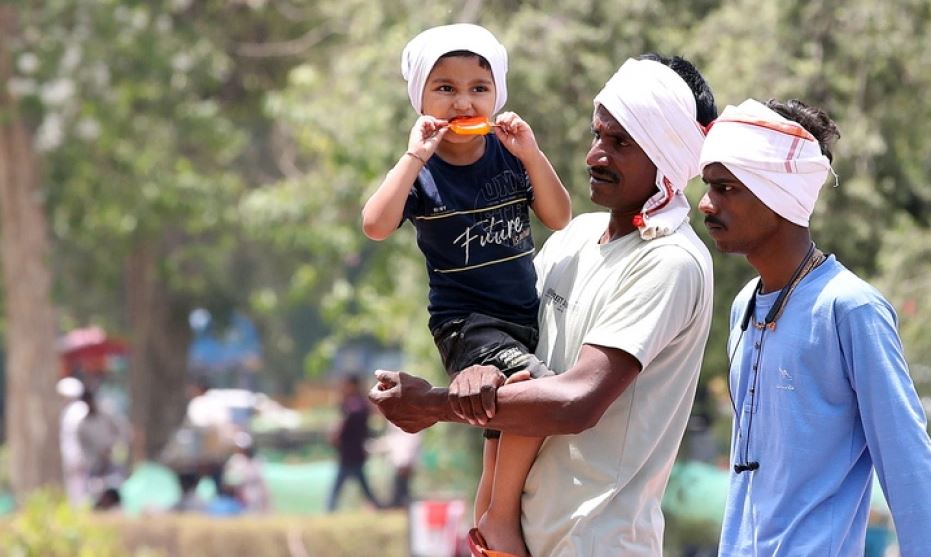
{"points": [[469, 197]]}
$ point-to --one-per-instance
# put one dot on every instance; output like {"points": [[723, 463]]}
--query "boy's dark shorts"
{"points": [[484, 340]]}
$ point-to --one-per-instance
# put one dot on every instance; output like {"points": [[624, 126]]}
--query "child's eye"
{"points": [[481, 89], [444, 88]]}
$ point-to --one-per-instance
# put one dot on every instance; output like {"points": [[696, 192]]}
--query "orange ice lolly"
{"points": [[476, 125]]}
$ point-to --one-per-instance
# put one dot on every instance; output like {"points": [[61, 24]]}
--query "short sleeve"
{"points": [[413, 205], [527, 183]]}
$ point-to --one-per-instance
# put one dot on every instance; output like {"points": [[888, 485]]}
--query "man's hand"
{"points": [[402, 398], [472, 393]]}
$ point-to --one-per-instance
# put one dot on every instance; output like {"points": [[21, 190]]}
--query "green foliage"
{"points": [[904, 278], [244, 137], [451, 461], [148, 121], [47, 526]]}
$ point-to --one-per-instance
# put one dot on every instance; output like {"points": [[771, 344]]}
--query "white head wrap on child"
{"points": [[657, 108], [777, 159], [422, 52]]}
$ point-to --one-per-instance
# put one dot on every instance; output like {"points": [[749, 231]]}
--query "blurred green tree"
{"points": [[147, 121]]}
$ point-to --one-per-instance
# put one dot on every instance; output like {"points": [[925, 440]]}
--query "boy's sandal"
{"points": [[477, 546]]}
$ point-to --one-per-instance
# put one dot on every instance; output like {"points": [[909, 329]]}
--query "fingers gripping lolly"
{"points": [[476, 125]]}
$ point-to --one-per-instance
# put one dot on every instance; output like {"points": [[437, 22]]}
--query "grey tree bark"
{"points": [[32, 365], [160, 338]]}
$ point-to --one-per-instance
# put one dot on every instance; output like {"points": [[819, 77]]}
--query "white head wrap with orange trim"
{"points": [[777, 159], [422, 52], [657, 108]]}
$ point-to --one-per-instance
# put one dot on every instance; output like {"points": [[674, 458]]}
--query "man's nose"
{"points": [[596, 155], [706, 206]]}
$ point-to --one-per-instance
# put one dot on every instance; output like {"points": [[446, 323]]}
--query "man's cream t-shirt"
{"points": [[598, 493]]}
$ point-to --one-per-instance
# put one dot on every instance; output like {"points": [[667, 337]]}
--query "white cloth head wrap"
{"points": [[657, 108], [777, 159], [425, 49]]}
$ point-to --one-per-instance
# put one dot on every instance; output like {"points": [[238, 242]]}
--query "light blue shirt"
{"points": [[833, 399]]}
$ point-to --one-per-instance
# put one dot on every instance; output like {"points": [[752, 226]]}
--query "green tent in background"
{"points": [[152, 486], [303, 488], [7, 503], [696, 493]]}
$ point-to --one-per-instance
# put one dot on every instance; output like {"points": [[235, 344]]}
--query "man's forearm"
{"points": [[535, 408], [567, 403]]}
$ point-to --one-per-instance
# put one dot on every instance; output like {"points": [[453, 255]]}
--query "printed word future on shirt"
{"points": [[491, 231]]}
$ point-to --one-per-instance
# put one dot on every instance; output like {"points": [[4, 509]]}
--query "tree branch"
{"points": [[281, 49]]}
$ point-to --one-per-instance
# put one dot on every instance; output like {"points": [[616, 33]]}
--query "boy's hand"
{"points": [[472, 393], [522, 375], [426, 135], [516, 135]]}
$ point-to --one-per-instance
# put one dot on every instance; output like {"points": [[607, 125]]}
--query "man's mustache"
{"points": [[602, 173], [711, 220]]}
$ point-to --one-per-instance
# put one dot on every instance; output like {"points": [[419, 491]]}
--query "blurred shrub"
{"points": [[340, 535], [47, 526]]}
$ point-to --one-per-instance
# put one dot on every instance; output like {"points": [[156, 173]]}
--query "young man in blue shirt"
{"points": [[819, 383]]}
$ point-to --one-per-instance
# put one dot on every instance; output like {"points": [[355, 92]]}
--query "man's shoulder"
{"points": [[579, 230], [845, 290], [682, 248]]}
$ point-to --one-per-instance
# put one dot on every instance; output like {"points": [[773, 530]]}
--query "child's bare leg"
{"points": [[500, 525], [483, 493]]}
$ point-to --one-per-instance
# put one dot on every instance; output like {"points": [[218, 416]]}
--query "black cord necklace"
{"points": [[812, 259]]}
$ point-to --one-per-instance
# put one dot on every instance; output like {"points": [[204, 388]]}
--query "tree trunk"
{"points": [[33, 407], [160, 339]]}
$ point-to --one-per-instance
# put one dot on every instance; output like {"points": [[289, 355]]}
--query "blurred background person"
{"points": [[75, 475], [244, 474], [349, 440], [402, 450], [190, 501], [100, 434]]}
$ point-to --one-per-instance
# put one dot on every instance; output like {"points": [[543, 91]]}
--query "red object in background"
{"points": [[87, 349]]}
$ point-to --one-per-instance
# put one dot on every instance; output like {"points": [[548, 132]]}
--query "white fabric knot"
{"points": [[657, 108]]}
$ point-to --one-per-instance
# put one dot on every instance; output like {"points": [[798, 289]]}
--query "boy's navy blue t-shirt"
{"points": [[473, 227]]}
